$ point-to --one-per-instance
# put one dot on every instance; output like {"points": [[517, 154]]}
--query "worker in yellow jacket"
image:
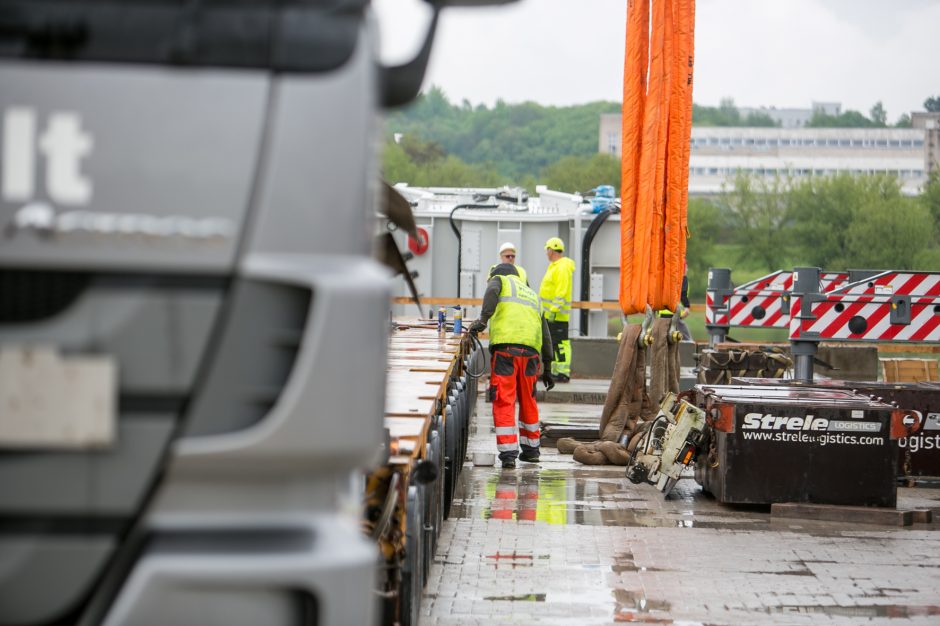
{"points": [[555, 294]]}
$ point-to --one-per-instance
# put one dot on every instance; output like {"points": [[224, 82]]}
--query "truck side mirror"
{"points": [[401, 83]]}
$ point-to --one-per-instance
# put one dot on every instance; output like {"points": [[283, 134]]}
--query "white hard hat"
{"points": [[507, 246]]}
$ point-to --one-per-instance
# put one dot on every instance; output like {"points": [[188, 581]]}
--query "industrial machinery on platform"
{"points": [[856, 306], [767, 443], [193, 331], [919, 451], [669, 445], [780, 443]]}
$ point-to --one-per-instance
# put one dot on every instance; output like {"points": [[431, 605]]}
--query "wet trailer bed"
{"points": [[564, 543]]}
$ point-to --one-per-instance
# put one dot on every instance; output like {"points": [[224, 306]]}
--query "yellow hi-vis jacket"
{"points": [[518, 316], [555, 291]]}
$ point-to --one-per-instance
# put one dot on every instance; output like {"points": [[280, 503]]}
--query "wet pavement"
{"points": [[564, 543]]}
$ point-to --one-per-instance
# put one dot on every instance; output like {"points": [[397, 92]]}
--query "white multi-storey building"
{"points": [[718, 153]]}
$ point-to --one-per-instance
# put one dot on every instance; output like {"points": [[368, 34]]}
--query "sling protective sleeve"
{"points": [[657, 116]]}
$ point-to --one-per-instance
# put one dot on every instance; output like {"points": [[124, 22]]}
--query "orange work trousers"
{"points": [[513, 373]]}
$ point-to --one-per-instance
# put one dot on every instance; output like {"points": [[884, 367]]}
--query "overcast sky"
{"points": [[783, 53]]}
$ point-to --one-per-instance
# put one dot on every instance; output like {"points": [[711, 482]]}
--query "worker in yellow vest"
{"points": [[555, 293], [507, 254], [518, 334]]}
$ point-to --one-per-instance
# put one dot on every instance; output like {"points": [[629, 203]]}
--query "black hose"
{"points": [[476, 340], [457, 232], [586, 243]]}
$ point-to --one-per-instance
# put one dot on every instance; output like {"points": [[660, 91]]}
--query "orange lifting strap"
{"points": [[657, 123]]}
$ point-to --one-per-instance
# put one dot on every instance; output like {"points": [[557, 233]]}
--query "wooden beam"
{"points": [[604, 306]]}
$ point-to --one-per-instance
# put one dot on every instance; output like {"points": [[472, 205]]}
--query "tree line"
{"points": [[840, 222], [524, 144], [833, 222]]}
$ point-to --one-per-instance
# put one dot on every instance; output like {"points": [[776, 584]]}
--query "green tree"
{"points": [[579, 174], [932, 104], [452, 172], [820, 209], [397, 167], [706, 224], [879, 116], [904, 121], [848, 119], [889, 233], [727, 114], [758, 119], [930, 197], [421, 152], [757, 207], [517, 140]]}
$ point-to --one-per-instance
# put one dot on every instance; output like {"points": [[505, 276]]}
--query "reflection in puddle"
{"points": [[512, 559], [529, 597], [873, 610], [596, 498], [630, 606], [634, 606]]}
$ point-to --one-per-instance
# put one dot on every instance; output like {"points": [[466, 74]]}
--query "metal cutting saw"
{"points": [[669, 445]]}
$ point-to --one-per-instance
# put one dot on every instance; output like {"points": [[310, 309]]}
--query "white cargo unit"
{"points": [[488, 217]]}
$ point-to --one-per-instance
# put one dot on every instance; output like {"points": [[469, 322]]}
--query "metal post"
{"points": [[803, 353], [805, 286], [719, 287]]}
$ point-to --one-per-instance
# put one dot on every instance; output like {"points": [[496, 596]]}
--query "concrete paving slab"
{"points": [[562, 543], [850, 514]]}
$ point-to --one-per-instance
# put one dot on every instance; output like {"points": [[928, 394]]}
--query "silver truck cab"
{"points": [[192, 328]]}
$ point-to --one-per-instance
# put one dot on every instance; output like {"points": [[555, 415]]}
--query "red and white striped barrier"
{"points": [[763, 303], [891, 306]]}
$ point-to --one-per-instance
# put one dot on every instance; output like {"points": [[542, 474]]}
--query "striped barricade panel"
{"points": [[868, 318], [897, 283], [830, 281], [759, 309], [764, 303], [716, 313], [795, 322]]}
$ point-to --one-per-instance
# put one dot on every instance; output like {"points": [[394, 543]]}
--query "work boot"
{"points": [[509, 464], [561, 378], [529, 457]]}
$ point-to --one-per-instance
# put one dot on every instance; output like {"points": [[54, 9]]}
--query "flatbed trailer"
{"points": [[430, 396]]}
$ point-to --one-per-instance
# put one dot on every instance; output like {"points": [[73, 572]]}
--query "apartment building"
{"points": [[718, 153]]}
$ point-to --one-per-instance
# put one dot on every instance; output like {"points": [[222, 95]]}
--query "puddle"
{"points": [[874, 610], [601, 496], [629, 606], [530, 597], [510, 559], [592, 497], [635, 607]]}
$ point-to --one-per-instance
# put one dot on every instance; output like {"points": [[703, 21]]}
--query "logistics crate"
{"points": [[778, 443], [919, 455]]}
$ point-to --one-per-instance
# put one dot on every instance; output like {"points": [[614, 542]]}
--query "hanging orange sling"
{"points": [[655, 147]]}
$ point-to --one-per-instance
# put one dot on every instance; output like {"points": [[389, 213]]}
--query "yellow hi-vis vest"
{"points": [[519, 269], [518, 316]]}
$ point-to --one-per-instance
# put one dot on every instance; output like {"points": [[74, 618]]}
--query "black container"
{"points": [[778, 443], [919, 455]]}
